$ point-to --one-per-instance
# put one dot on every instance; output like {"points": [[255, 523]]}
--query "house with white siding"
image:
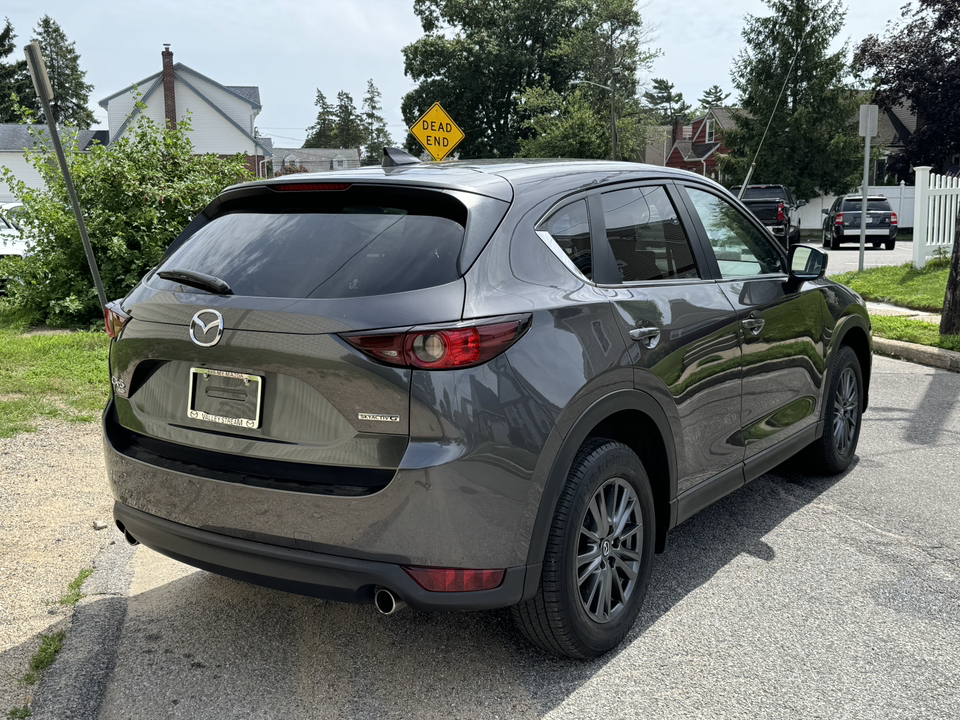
{"points": [[15, 139], [222, 117]]}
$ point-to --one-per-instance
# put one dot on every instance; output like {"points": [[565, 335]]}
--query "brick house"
{"points": [[221, 116]]}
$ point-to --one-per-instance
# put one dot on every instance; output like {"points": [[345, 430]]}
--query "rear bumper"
{"points": [[306, 573], [853, 234]]}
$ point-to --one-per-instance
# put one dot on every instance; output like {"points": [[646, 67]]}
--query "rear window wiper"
{"points": [[197, 280]]}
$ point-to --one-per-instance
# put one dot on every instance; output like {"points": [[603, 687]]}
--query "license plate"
{"points": [[228, 398]]}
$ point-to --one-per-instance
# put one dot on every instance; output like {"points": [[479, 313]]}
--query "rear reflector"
{"points": [[115, 318], [303, 187], [441, 348], [455, 579]]}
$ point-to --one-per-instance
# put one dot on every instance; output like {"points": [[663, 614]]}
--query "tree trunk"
{"points": [[950, 320]]}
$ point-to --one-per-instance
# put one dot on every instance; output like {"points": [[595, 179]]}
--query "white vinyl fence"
{"points": [[901, 199], [936, 206]]}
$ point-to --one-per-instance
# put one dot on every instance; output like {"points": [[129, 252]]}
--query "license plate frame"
{"points": [[236, 400]]}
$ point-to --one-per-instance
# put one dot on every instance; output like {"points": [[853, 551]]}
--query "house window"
{"points": [[711, 135]]}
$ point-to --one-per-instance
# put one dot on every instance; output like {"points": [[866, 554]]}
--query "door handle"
{"points": [[648, 336], [753, 323]]}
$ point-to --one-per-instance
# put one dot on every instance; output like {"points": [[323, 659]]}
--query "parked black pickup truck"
{"points": [[772, 205]]}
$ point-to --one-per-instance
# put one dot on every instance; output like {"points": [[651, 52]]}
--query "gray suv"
{"points": [[470, 385]]}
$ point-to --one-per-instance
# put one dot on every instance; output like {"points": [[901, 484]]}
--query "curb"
{"points": [[73, 687], [921, 354]]}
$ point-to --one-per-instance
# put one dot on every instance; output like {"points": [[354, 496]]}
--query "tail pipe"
{"points": [[126, 534], [386, 602]]}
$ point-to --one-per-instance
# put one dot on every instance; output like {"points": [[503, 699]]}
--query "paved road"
{"points": [[847, 256], [795, 597]]}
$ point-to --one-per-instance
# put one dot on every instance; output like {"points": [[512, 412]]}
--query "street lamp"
{"points": [[612, 88]]}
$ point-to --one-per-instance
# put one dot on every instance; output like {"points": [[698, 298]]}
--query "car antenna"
{"points": [[753, 165], [393, 157]]}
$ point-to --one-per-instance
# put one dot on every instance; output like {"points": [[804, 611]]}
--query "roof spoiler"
{"points": [[392, 157]]}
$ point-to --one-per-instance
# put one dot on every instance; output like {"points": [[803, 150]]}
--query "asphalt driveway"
{"points": [[794, 597]]}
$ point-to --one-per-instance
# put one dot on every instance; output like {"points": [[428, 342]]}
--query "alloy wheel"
{"points": [[846, 410], [609, 550]]}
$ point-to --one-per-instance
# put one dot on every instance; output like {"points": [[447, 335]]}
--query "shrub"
{"points": [[136, 196]]}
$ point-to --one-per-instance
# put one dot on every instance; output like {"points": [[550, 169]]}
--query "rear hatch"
{"points": [[879, 213], [232, 366]]}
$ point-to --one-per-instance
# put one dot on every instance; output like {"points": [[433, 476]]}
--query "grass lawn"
{"points": [[901, 285], [913, 331], [60, 375]]}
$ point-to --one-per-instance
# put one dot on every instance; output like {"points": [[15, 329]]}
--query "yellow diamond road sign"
{"points": [[437, 132]]}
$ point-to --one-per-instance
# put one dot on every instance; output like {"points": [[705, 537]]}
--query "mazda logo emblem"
{"points": [[206, 333]]}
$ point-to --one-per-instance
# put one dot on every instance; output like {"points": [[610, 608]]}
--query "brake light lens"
{"points": [[893, 218], [839, 220], [455, 579], [115, 319], [303, 187], [441, 348], [781, 215]]}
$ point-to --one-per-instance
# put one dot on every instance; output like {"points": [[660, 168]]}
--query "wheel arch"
{"points": [[855, 333], [635, 419]]}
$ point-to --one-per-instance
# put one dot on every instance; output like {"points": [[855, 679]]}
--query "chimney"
{"points": [[169, 90], [677, 128]]}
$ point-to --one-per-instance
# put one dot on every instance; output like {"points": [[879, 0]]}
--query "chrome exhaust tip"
{"points": [[386, 602]]}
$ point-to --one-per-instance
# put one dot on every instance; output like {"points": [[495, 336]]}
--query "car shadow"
{"points": [[203, 646]]}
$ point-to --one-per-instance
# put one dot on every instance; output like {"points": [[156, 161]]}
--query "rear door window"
{"points": [[328, 245], [645, 235]]}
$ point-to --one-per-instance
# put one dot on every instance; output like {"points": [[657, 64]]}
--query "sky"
{"points": [[289, 48]]}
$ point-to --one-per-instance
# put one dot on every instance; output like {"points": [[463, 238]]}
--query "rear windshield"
{"points": [[336, 244], [877, 205], [773, 193]]}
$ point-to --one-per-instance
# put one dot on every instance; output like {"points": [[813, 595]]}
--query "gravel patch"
{"points": [[53, 493]]}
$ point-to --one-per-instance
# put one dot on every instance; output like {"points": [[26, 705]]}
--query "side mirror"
{"points": [[801, 203], [825, 211], [806, 263]]}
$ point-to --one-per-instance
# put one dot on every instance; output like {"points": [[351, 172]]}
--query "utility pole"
{"points": [[868, 128], [613, 112]]}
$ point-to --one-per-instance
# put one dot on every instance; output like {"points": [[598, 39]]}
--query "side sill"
{"points": [[708, 492]]}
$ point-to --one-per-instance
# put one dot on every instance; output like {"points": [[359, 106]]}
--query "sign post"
{"points": [[437, 132], [41, 83], [868, 128]]}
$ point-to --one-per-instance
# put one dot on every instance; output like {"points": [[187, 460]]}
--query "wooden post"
{"points": [[950, 319]]}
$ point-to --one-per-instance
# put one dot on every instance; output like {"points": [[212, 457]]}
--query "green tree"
{"points": [[665, 102], [137, 195], [376, 136], [71, 92], [14, 78], [348, 125], [917, 64], [712, 97], [320, 134], [812, 145], [477, 56]]}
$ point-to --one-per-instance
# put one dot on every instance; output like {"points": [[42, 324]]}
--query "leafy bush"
{"points": [[136, 195]]}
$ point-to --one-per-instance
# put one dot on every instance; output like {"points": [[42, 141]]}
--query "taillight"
{"points": [[893, 218], [839, 220], [455, 579], [115, 318], [441, 348], [781, 215]]}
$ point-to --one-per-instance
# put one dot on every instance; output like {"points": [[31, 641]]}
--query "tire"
{"points": [[834, 242], [825, 242], [877, 244], [890, 244], [833, 451], [587, 618]]}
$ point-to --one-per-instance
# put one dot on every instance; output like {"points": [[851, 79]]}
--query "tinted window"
{"points": [[876, 205], [741, 249], [760, 193], [570, 228], [327, 247], [645, 235]]}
